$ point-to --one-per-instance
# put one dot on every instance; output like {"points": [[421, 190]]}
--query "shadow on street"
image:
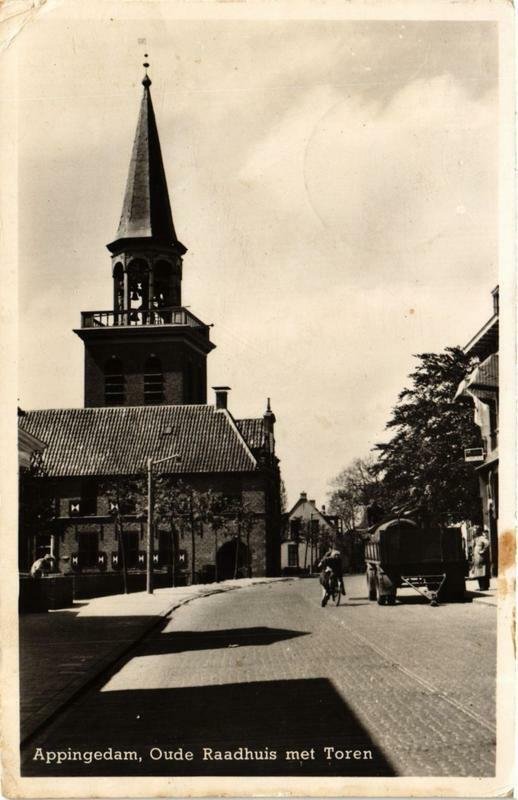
{"points": [[177, 642], [291, 715]]}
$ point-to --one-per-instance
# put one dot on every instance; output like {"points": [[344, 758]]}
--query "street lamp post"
{"points": [[149, 565]]}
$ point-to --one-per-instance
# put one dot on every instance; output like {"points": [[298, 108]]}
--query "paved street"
{"points": [[354, 690]]}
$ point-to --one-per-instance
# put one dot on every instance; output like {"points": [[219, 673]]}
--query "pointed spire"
{"points": [[146, 211], [268, 414], [269, 424]]}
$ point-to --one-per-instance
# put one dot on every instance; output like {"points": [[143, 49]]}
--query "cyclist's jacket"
{"points": [[333, 560]]}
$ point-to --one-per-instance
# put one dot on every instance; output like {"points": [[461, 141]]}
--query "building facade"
{"points": [[481, 385], [307, 532], [145, 397]]}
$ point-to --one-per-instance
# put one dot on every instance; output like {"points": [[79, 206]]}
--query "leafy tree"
{"points": [[243, 518], [423, 463], [184, 507], [218, 522], [169, 496], [312, 533]]}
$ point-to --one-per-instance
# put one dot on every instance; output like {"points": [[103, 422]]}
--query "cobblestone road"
{"points": [[405, 690]]}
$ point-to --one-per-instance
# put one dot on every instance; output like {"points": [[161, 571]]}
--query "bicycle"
{"points": [[332, 588]]}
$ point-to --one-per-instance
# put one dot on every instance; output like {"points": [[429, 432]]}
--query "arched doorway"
{"points": [[226, 558]]}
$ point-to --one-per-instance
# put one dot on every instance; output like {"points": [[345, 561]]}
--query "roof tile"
{"points": [[119, 440]]}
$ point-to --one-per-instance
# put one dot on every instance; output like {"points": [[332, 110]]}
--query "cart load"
{"points": [[427, 558]]}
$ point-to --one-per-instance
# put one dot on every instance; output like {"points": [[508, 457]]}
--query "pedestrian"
{"points": [[481, 563], [42, 566]]}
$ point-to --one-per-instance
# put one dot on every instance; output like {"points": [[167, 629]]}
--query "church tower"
{"points": [[148, 349]]}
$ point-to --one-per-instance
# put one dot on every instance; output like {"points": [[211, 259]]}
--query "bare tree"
{"points": [[352, 489], [126, 496]]}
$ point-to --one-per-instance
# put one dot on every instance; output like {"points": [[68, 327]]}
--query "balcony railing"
{"points": [[175, 315]]}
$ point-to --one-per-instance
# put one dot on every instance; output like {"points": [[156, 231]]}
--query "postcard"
{"points": [[258, 495]]}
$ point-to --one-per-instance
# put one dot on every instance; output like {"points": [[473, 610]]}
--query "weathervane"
{"points": [[146, 81]]}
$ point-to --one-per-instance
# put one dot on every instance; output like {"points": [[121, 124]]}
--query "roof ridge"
{"points": [[96, 409]]}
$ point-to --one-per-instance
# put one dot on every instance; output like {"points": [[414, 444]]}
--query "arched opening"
{"points": [[138, 287], [113, 382], [232, 560], [153, 381], [118, 287], [166, 285]]}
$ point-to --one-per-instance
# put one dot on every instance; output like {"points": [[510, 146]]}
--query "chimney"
{"points": [[221, 396], [313, 503], [323, 509], [303, 496]]}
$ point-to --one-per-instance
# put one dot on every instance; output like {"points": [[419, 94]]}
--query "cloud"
{"points": [[397, 176]]}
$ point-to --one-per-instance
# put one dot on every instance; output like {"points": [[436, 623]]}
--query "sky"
{"points": [[335, 183]]}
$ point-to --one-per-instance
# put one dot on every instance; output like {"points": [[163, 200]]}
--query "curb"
{"points": [[489, 600], [75, 689]]}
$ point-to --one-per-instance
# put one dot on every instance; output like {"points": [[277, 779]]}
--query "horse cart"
{"points": [[426, 558]]}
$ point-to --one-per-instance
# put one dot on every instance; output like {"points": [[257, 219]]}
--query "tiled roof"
{"points": [[118, 441], [252, 430]]}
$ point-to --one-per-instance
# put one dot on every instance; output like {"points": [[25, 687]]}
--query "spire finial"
{"points": [[146, 80]]}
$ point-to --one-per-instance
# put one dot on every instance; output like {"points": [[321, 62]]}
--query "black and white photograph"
{"points": [[259, 519]]}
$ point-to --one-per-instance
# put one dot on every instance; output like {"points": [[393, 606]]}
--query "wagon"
{"points": [[426, 558]]}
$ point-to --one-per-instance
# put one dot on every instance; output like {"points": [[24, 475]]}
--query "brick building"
{"points": [[145, 395]]}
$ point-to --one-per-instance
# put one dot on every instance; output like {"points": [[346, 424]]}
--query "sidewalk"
{"points": [[486, 598], [62, 652]]}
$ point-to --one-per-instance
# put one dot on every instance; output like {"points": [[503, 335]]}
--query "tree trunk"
{"points": [[238, 542], [193, 544], [216, 555], [174, 552], [123, 556], [249, 562], [306, 554]]}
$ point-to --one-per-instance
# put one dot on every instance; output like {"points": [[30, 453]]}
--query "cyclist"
{"points": [[331, 561]]}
